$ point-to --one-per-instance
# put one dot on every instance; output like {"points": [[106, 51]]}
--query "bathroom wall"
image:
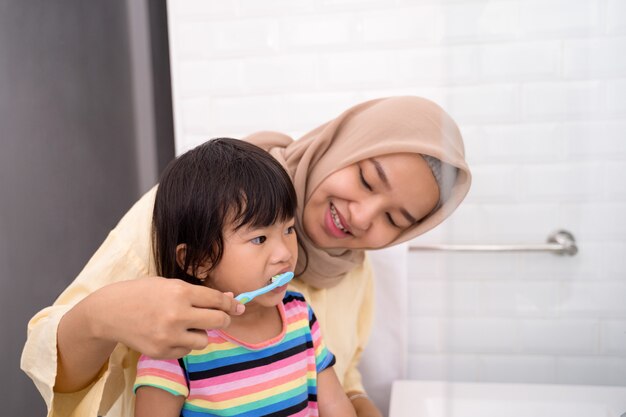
{"points": [[537, 87]]}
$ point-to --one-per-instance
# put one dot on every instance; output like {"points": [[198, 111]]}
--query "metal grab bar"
{"points": [[560, 242]]}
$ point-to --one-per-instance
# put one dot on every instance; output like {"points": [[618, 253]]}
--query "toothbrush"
{"points": [[277, 281]]}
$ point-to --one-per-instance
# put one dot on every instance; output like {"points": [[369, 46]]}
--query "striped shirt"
{"points": [[233, 378]]}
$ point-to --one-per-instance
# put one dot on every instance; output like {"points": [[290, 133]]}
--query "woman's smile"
{"points": [[335, 223]]}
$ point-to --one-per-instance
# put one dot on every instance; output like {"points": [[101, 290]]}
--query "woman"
{"points": [[383, 172]]}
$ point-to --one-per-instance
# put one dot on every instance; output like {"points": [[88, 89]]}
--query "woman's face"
{"points": [[370, 203]]}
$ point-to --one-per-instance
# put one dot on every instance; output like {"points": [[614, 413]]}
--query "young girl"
{"points": [[224, 218]]}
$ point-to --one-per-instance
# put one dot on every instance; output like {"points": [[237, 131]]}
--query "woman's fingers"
{"points": [[187, 341], [201, 307], [204, 297], [205, 318], [194, 340]]}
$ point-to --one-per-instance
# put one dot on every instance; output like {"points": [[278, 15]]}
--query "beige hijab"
{"points": [[370, 129]]}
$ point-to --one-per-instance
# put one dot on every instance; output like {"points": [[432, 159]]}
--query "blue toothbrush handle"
{"points": [[282, 279]]}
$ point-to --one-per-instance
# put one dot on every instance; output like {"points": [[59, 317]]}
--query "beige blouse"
{"points": [[344, 313]]}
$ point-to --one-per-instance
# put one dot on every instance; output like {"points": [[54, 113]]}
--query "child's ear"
{"points": [[181, 253]]}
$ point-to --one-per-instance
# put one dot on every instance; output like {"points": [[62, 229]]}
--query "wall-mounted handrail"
{"points": [[560, 242]]}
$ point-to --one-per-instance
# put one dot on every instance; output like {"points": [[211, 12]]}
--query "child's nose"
{"points": [[282, 252]]}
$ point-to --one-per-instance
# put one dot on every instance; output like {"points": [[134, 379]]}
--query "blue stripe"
{"points": [[325, 362]]}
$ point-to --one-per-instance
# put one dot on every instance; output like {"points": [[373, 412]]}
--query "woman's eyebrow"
{"points": [[381, 173], [408, 216], [383, 177]]}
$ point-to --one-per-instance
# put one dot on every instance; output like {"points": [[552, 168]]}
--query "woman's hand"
{"points": [[162, 318]]}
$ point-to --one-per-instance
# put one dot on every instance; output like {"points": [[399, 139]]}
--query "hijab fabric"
{"points": [[370, 129]]}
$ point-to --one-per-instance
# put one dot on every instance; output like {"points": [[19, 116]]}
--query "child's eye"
{"points": [[291, 229], [258, 240], [363, 181]]}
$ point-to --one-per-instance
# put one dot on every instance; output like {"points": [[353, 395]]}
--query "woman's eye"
{"points": [[258, 240], [390, 220], [363, 181]]}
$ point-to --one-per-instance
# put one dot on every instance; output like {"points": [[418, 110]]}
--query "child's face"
{"points": [[252, 256]]}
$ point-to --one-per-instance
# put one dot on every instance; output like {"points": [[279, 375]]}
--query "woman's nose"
{"points": [[363, 214]]}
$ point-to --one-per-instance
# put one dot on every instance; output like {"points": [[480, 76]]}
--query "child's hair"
{"points": [[223, 181]]}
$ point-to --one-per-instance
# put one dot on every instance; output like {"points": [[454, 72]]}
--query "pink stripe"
{"points": [[292, 315], [154, 372], [315, 334], [297, 317], [296, 305], [315, 327], [165, 365], [216, 338], [291, 307], [251, 375], [243, 391]]}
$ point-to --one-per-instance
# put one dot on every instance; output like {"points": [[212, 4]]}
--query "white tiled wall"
{"points": [[539, 90]]}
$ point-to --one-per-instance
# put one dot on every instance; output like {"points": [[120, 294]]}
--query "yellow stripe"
{"points": [[215, 347], [296, 325], [162, 382], [320, 348]]}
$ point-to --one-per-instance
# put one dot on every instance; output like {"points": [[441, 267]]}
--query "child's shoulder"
{"points": [[294, 299], [296, 305]]}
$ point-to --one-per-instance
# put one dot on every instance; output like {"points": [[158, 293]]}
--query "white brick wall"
{"points": [[538, 88]]}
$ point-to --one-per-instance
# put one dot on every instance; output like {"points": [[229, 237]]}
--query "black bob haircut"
{"points": [[223, 180]]}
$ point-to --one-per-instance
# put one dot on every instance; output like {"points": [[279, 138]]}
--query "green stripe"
{"points": [[171, 391], [254, 405]]}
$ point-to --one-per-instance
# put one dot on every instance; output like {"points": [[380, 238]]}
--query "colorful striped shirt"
{"points": [[233, 378]]}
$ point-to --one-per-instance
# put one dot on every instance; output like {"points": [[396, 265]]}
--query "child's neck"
{"points": [[258, 324]]}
